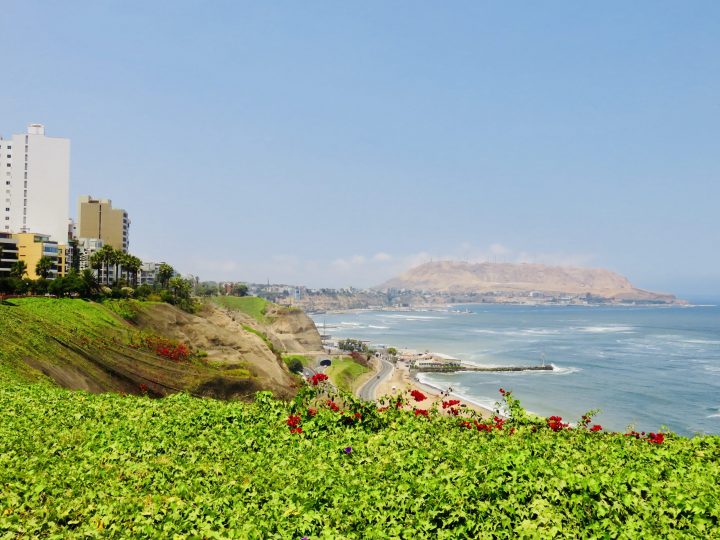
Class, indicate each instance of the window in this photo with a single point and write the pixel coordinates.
(7, 182)
(9, 156)
(7, 209)
(9, 147)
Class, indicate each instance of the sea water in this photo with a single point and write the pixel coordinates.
(643, 367)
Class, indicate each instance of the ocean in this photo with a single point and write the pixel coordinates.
(644, 367)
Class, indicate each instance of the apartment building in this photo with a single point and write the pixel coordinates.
(35, 184)
(97, 219)
(32, 247)
(8, 253)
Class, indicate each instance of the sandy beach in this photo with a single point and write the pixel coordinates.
(401, 380)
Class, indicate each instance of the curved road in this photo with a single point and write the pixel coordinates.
(367, 390)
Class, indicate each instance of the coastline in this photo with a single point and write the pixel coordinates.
(402, 380)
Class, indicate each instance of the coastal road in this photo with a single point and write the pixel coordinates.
(367, 390)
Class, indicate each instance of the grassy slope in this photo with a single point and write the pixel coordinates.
(250, 305)
(84, 345)
(344, 372)
(80, 465)
(27, 325)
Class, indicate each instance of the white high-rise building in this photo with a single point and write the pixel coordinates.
(35, 184)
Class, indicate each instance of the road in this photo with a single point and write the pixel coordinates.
(367, 390)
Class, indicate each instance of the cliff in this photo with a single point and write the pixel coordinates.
(96, 347)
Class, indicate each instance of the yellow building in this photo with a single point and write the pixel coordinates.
(32, 247)
(98, 219)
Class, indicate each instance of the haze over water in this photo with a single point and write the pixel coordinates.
(642, 366)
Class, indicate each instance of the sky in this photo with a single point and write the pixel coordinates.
(337, 144)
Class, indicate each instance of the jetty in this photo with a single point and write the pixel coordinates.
(446, 367)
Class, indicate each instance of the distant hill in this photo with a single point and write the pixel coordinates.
(456, 277)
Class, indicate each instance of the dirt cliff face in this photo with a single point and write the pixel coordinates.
(295, 330)
(228, 345)
(86, 346)
(461, 277)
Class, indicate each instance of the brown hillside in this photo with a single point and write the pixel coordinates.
(461, 277)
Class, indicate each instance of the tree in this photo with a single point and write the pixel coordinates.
(132, 266)
(295, 365)
(164, 273)
(90, 285)
(102, 259)
(44, 266)
(239, 289)
(18, 269)
(392, 351)
(352, 345)
(180, 290)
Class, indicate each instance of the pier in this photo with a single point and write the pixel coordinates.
(456, 367)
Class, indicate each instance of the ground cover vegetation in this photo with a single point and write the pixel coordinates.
(254, 306)
(327, 465)
(345, 372)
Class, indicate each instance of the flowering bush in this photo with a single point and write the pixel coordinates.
(317, 379)
(418, 395)
(172, 350)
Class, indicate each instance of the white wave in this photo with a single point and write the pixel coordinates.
(564, 370)
(713, 415)
(378, 327)
(702, 341)
(713, 369)
(606, 329)
(416, 317)
(344, 323)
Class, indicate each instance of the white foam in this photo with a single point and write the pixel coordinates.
(564, 370)
(606, 329)
(702, 341)
(416, 317)
(378, 327)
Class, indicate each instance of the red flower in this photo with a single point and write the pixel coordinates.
(596, 427)
(420, 412)
(466, 424)
(450, 403)
(293, 421)
(296, 430)
(317, 378)
(418, 395)
(657, 438)
(502, 391)
(555, 423)
(312, 411)
(333, 406)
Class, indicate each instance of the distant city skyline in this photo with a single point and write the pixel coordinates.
(333, 145)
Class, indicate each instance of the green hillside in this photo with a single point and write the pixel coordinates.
(90, 346)
(250, 305)
(75, 465)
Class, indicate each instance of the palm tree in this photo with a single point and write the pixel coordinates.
(164, 273)
(106, 255)
(18, 269)
(44, 266)
(96, 262)
(132, 266)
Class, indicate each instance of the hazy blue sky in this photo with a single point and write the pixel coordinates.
(336, 143)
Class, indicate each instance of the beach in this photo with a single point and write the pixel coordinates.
(401, 380)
